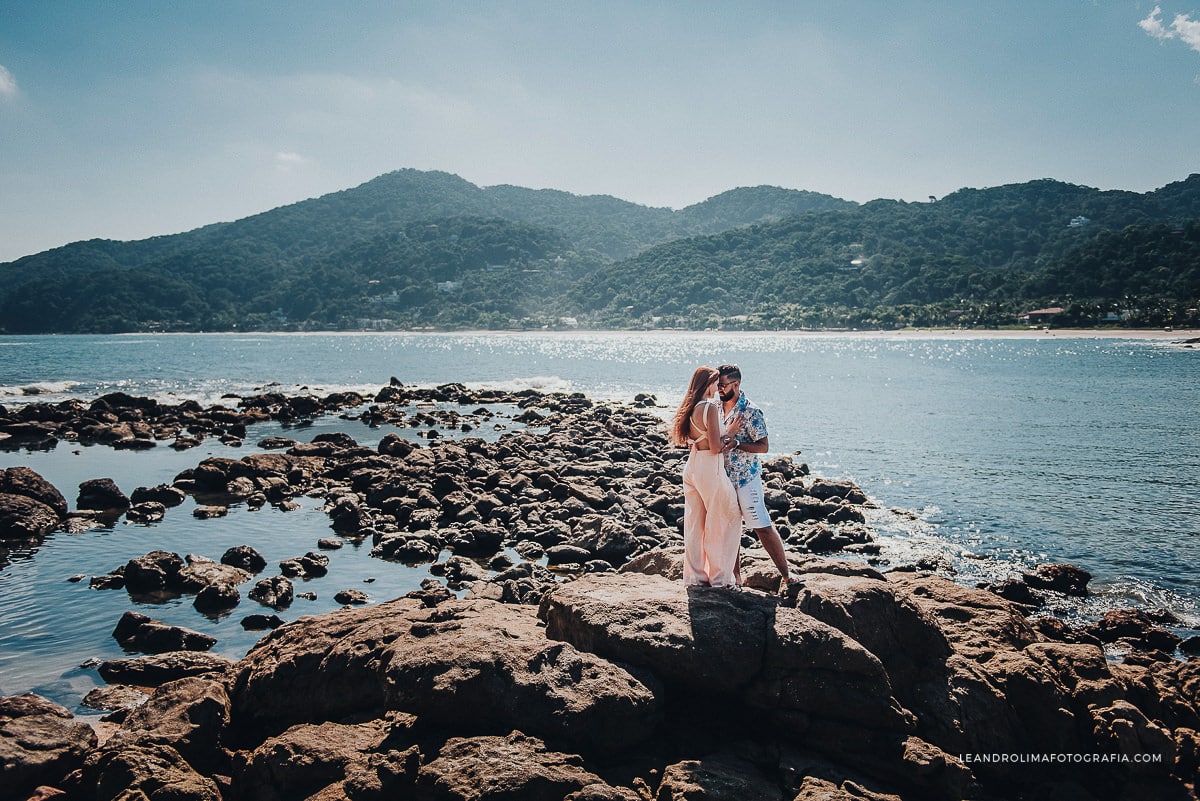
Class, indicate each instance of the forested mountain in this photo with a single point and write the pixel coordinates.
(415, 248)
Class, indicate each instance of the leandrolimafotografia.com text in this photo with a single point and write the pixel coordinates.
(1077, 759)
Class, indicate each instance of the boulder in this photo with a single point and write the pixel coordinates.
(101, 494)
(310, 757)
(187, 714)
(1135, 627)
(137, 632)
(202, 572)
(157, 669)
(793, 669)
(512, 766)
(275, 592)
(245, 558)
(146, 512)
(1067, 579)
(143, 772)
(22, 517)
(157, 570)
(721, 776)
(472, 667)
(24, 481)
(40, 743)
(165, 494)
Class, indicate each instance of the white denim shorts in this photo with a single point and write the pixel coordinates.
(753, 503)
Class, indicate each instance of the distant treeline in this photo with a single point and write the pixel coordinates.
(417, 249)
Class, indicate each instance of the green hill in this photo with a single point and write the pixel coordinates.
(415, 249)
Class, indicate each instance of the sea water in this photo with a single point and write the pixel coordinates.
(988, 453)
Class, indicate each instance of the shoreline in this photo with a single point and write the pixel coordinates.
(1179, 336)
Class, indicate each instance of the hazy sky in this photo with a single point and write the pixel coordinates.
(124, 120)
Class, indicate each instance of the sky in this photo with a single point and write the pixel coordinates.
(137, 118)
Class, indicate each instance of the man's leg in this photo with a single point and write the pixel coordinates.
(754, 513)
(772, 543)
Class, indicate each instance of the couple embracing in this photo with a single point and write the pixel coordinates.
(722, 480)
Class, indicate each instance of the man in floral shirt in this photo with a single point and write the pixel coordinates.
(746, 438)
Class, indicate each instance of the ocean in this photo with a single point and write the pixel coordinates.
(991, 453)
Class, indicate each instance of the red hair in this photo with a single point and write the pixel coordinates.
(702, 378)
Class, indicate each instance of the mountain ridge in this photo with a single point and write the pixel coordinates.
(414, 248)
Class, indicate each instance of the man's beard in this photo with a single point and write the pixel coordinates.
(728, 395)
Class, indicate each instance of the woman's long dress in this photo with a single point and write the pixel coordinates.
(712, 522)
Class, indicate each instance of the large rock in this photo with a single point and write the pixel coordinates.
(138, 632)
(101, 494)
(473, 667)
(188, 714)
(722, 777)
(40, 743)
(510, 767)
(22, 517)
(793, 668)
(155, 571)
(156, 669)
(307, 758)
(149, 772)
(24, 481)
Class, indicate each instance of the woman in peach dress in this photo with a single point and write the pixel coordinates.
(712, 524)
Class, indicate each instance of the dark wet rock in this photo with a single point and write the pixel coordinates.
(201, 572)
(102, 494)
(719, 776)
(22, 517)
(394, 445)
(275, 592)
(218, 597)
(330, 544)
(110, 581)
(276, 443)
(261, 622)
(1136, 628)
(146, 512)
(209, 512)
(311, 565)
(351, 597)
(157, 669)
(118, 699)
(604, 538)
(825, 489)
(164, 494)
(1067, 579)
(40, 743)
(23, 481)
(245, 558)
(1018, 592)
(567, 554)
(407, 548)
(157, 570)
(138, 632)
(1190, 645)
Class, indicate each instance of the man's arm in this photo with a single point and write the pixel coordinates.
(758, 446)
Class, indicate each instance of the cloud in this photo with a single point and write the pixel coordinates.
(8, 84)
(286, 162)
(1188, 30)
(1183, 28)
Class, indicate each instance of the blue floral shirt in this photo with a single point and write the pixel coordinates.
(744, 467)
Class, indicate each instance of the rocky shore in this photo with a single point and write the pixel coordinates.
(582, 668)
